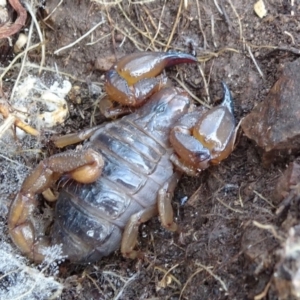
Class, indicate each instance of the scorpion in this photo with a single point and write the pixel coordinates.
(127, 170)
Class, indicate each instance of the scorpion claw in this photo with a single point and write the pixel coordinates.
(201, 139)
(133, 78)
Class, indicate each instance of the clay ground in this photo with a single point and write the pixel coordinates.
(222, 253)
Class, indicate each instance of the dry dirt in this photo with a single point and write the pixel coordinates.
(222, 254)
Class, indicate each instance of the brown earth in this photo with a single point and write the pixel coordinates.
(223, 253)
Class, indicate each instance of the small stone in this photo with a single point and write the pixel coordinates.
(104, 63)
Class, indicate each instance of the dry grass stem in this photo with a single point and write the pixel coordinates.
(52, 70)
(54, 10)
(291, 36)
(166, 273)
(16, 58)
(255, 62)
(207, 269)
(218, 7)
(188, 281)
(200, 26)
(23, 62)
(131, 23)
(190, 93)
(174, 26)
(81, 38)
(104, 2)
(8, 122)
(93, 281)
(100, 39)
(264, 293)
(269, 228)
(229, 207)
(137, 44)
(43, 47)
(205, 83)
(212, 23)
(141, 1)
(240, 198)
(158, 27)
(14, 161)
(264, 198)
(163, 280)
(128, 282)
(239, 19)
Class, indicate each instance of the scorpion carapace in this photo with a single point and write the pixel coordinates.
(125, 174)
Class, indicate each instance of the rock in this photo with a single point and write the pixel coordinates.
(287, 181)
(274, 123)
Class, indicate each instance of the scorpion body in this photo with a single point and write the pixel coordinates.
(90, 219)
(127, 171)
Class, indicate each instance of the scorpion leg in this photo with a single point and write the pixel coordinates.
(4, 111)
(74, 138)
(165, 209)
(130, 234)
(83, 166)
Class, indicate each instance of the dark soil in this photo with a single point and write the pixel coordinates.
(221, 253)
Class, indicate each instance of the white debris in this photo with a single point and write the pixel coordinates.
(41, 105)
(260, 8)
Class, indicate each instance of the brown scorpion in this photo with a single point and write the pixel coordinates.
(127, 171)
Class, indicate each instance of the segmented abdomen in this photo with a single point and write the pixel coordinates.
(90, 218)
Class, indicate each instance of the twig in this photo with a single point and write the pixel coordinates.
(80, 39)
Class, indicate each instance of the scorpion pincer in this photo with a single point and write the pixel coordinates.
(127, 171)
